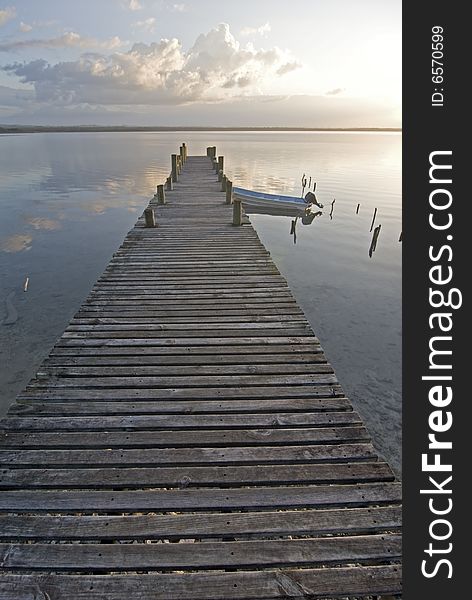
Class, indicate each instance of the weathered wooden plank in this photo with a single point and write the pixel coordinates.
(312, 421)
(202, 525)
(33, 406)
(186, 360)
(241, 585)
(176, 349)
(165, 381)
(166, 341)
(200, 498)
(125, 370)
(182, 438)
(191, 456)
(183, 477)
(125, 317)
(246, 554)
(175, 393)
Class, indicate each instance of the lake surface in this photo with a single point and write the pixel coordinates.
(68, 199)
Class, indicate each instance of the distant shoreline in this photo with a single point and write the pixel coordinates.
(8, 129)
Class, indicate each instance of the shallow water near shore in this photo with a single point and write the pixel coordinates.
(68, 199)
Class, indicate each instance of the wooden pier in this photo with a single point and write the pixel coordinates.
(186, 438)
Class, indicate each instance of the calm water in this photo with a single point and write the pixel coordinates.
(67, 200)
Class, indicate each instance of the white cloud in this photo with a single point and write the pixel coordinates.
(7, 14)
(134, 5)
(25, 27)
(147, 24)
(262, 30)
(67, 40)
(217, 67)
(179, 7)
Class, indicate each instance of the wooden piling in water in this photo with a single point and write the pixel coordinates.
(169, 185)
(174, 168)
(221, 162)
(373, 220)
(229, 192)
(149, 217)
(237, 213)
(161, 195)
(223, 183)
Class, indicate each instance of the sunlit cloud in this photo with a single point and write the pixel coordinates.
(67, 40)
(7, 14)
(216, 67)
(25, 27)
(134, 5)
(262, 30)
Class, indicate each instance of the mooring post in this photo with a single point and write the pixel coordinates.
(209, 151)
(237, 213)
(169, 185)
(174, 167)
(213, 151)
(161, 195)
(223, 183)
(220, 175)
(181, 150)
(215, 165)
(184, 147)
(221, 161)
(149, 217)
(229, 191)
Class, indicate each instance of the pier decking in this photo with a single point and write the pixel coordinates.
(186, 437)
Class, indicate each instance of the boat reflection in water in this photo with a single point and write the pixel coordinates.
(300, 209)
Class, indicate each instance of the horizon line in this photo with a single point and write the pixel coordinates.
(4, 128)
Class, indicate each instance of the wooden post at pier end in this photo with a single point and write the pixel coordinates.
(229, 192)
(220, 175)
(169, 185)
(237, 213)
(161, 195)
(221, 161)
(149, 217)
(223, 183)
(184, 148)
(174, 168)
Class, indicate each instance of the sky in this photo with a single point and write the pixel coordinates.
(297, 63)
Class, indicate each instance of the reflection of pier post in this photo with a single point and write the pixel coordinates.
(332, 208)
(373, 243)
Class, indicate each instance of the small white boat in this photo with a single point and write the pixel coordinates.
(264, 201)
